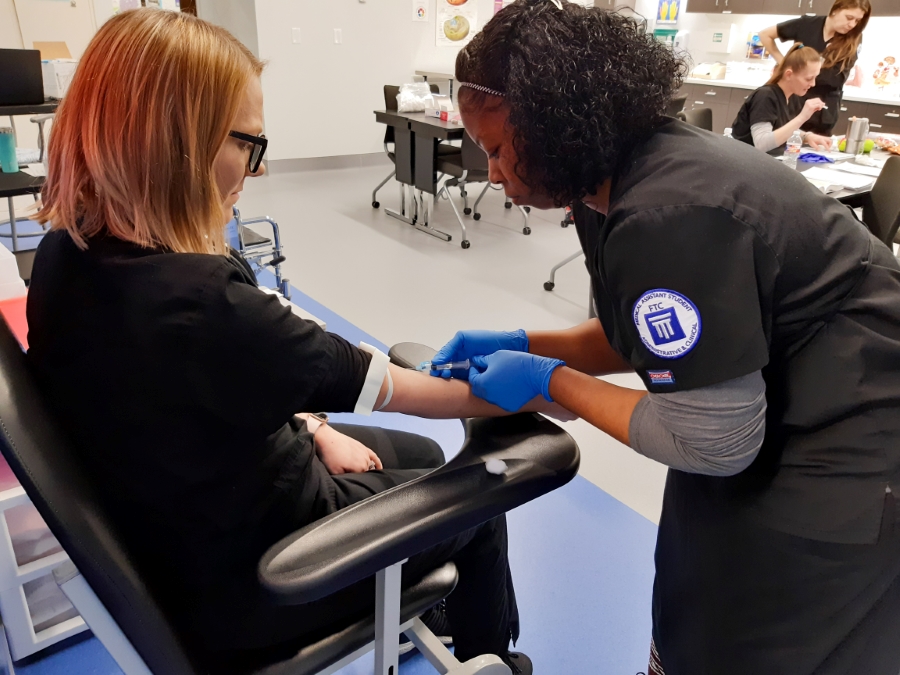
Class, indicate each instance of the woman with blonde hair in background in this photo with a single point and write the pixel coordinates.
(189, 392)
(765, 120)
(837, 37)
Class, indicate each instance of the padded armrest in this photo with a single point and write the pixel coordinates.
(358, 541)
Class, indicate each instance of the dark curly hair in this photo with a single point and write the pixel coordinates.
(582, 86)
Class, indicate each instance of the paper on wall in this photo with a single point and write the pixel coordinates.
(456, 22)
(420, 11)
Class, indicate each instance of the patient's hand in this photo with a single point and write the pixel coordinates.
(342, 454)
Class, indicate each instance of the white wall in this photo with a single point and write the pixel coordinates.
(52, 20)
(237, 16)
(10, 37)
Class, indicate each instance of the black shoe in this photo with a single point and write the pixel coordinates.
(518, 663)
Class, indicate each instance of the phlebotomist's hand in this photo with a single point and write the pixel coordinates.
(511, 379)
(342, 454)
(468, 343)
(817, 142)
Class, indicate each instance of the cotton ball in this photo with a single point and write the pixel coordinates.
(496, 466)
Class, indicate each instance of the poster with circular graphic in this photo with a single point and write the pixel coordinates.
(456, 22)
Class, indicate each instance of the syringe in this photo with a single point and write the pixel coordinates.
(425, 366)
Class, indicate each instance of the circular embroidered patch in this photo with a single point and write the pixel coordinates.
(668, 323)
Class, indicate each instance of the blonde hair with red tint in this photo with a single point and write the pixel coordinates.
(133, 145)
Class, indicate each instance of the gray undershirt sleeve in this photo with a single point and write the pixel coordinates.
(716, 430)
(763, 136)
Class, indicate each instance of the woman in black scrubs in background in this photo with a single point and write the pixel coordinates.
(763, 319)
(837, 37)
(765, 120)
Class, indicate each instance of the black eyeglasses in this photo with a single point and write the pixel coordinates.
(259, 148)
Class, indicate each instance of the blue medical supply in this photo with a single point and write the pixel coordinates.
(468, 343)
(511, 379)
(444, 367)
(8, 163)
(815, 158)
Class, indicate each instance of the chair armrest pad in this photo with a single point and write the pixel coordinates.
(358, 541)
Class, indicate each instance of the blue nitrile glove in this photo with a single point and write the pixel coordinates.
(815, 158)
(468, 343)
(511, 379)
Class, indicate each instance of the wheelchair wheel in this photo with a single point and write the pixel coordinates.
(465, 243)
(477, 216)
(549, 285)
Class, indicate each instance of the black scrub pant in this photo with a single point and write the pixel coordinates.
(734, 598)
(481, 610)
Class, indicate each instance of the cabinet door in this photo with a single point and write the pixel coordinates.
(884, 119)
(705, 6)
(735, 103)
(615, 4)
(849, 109)
(882, 7)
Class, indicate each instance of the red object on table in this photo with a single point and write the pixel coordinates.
(13, 310)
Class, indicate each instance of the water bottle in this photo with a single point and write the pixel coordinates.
(8, 163)
(792, 152)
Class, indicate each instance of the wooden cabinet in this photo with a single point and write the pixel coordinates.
(735, 103)
(713, 97)
(849, 109)
(725, 6)
(615, 4)
(883, 119)
(882, 8)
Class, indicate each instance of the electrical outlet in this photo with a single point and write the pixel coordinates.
(338, 36)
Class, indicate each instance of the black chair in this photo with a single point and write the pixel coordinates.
(105, 584)
(390, 104)
(881, 208)
(16, 185)
(676, 105)
(469, 166)
(699, 117)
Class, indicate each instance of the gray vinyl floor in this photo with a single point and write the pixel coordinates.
(399, 284)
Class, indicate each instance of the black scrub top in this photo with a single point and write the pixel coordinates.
(714, 262)
(829, 86)
(766, 104)
(178, 380)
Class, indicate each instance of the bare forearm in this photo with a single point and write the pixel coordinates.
(584, 348)
(767, 39)
(436, 398)
(782, 134)
(606, 406)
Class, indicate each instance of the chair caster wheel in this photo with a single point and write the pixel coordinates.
(564, 224)
(465, 243)
(375, 205)
(527, 209)
(507, 205)
(549, 285)
(463, 193)
(526, 230)
(467, 211)
(477, 216)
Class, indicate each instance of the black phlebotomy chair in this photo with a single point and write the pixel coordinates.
(881, 207)
(371, 538)
(701, 118)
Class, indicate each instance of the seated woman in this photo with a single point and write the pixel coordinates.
(767, 119)
(180, 380)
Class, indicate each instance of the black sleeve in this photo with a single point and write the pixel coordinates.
(690, 283)
(258, 363)
(791, 30)
(764, 107)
